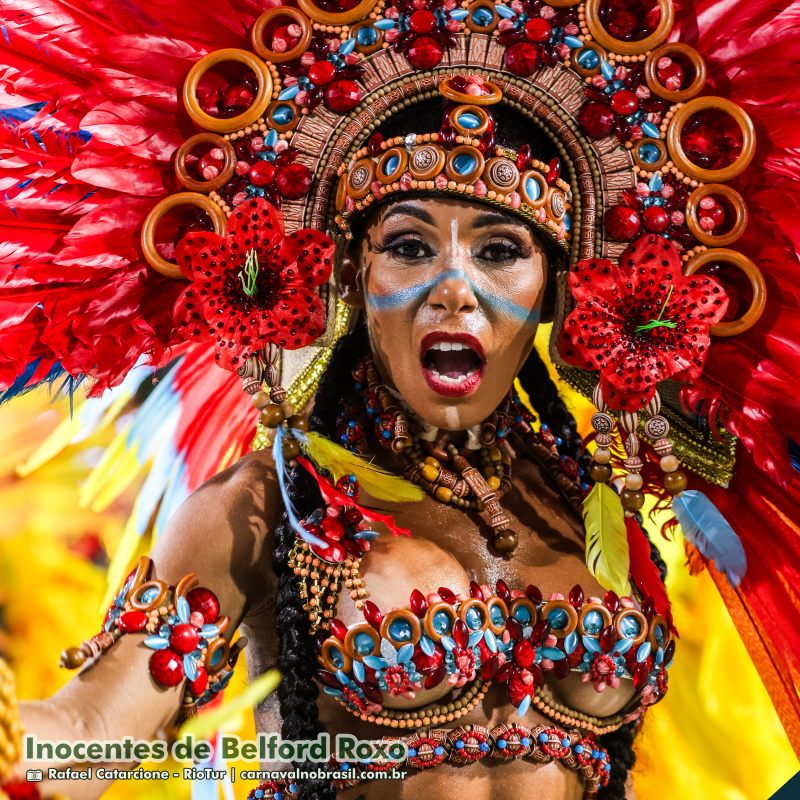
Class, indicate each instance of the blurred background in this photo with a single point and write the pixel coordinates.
(715, 735)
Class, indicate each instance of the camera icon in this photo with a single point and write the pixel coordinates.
(34, 775)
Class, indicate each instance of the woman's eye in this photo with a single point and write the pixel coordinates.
(500, 252)
(410, 249)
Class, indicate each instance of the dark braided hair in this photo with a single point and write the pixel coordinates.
(298, 692)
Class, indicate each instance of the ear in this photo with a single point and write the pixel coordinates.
(351, 290)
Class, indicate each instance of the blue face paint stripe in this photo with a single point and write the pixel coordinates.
(403, 298)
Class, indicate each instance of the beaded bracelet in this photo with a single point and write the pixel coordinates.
(10, 725)
(183, 629)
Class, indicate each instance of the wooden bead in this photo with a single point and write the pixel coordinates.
(271, 416)
(494, 483)
(298, 421)
(675, 482)
(287, 408)
(633, 481)
(602, 455)
(631, 500)
(670, 463)
(444, 494)
(600, 473)
(260, 400)
(430, 473)
(73, 657)
(505, 541)
(290, 449)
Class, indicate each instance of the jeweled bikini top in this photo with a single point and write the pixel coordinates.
(498, 635)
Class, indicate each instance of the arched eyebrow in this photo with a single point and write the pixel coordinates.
(487, 218)
(409, 210)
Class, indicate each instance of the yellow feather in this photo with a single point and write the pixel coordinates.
(229, 715)
(381, 484)
(607, 554)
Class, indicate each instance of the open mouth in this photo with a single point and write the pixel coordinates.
(452, 363)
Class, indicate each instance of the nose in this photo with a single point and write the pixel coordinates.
(454, 294)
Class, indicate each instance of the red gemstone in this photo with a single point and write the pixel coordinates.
(611, 601)
(428, 665)
(670, 74)
(505, 672)
(519, 688)
(514, 629)
(425, 53)
(624, 102)
(648, 607)
(669, 651)
(204, 601)
(522, 59)
(576, 596)
(622, 223)
(524, 653)
(523, 157)
(422, 21)
(538, 675)
(541, 630)
(597, 119)
(329, 679)
(334, 553)
(338, 629)
(342, 96)
(436, 677)
(607, 638)
(561, 668)
(640, 676)
(475, 590)
(503, 591)
(533, 593)
(353, 516)
(374, 144)
(184, 638)
(334, 529)
(460, 633)
(294, 181)
(553, 171)
(372, 693)
(262, 173)
(419, 605)
(656, 219)
(447, 595)
(166, 668)
(321, 73)
(239, 96)
(537, 30)
(489, 668)
(372, 615)
(199, 684)
(132, 621)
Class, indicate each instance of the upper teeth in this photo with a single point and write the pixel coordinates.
(450, 346)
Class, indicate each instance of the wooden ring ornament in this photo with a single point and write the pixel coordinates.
(393, 152)
(604, 613)
(480, 608)
(143, 569)
(470, 177)
(563, 3)
(524, 602)
(214, 662)
(477, 111)
(225, 174)
(355, 14)
(327, 659)
(431, 153)
(186, 584)
(135, 597)
(587, 72)
(679, 157)
(601, 35)
(495, 94)
(359, 184)
(432, 611)
(496, 628)
(283, 127)
(341, 192)
(159, 211)
(572, 617)
(477, 6)
(639, 617)
(676, 95)
(693, 217)
(260, 26)
(405, 616)
(358, 630)
(658, 622)
(539, 201)
(367, 50)
(759, 286)
(248, 117)
(649, 166)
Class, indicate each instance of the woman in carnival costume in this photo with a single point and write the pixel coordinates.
(363, 210)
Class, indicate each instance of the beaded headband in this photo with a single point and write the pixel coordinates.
(461, 159)
(293, 121)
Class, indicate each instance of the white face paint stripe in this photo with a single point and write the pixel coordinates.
(454, 235)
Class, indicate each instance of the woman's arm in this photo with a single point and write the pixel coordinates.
(221, 533)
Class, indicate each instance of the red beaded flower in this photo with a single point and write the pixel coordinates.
(640, 322)
(253, 286)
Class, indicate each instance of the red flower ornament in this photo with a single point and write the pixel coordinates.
(253, 286)
(640, 322)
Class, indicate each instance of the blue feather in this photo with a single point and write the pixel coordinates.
(794, 454)
(280, 467)
(22, 384)
(704, 526)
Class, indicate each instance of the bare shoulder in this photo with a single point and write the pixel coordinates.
(223, 533)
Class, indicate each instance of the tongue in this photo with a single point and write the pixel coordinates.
(452, 363)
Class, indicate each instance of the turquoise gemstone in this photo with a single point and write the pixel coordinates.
(367, 36)
(363, 643)
(629, 627)
(391, 165)
(336, 658)
(400, 630)
(482, 17)
(589, 59)
(465, 163)
(659, 635)
(533, 189)
(593, 622)
(473, 619)
(283, 115)
(522, 614)
(558, 619)
(441, 622)
(496, 615)
(649, 153)
(468, 120)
